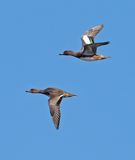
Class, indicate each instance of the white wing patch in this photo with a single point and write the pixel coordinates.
(86, 39)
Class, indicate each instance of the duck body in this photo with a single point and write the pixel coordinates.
(89, 47)
(88, 53)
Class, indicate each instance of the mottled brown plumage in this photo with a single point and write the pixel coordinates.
(54, 101)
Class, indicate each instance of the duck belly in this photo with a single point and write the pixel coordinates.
(88, 59)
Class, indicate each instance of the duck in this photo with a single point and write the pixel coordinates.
(55, 97)
(88, 51)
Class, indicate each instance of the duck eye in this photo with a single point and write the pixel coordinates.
(47, 93)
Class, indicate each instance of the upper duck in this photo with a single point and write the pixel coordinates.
(54, 101)
(89, 47)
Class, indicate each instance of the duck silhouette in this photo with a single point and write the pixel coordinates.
(56, 95)
(89, 47)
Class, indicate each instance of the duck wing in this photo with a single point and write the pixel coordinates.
(54, 104)
(88, 36)
(89, 50)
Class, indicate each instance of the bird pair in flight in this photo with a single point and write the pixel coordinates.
(87, 53)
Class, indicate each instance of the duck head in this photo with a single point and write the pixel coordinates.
(68, 53)
(71, 53)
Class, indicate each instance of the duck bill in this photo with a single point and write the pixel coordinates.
(28, 91)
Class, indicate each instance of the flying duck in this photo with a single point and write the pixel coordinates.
(89, 47)
(56, 95)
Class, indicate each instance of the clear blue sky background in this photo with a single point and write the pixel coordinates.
(99, 124)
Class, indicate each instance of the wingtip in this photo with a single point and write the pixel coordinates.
(100, 25)
(56, 126)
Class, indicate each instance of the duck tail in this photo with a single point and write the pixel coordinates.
(66, 94)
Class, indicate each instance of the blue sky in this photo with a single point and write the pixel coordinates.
(98, 124)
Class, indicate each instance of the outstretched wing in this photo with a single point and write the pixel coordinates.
(54, 104)
(88, 36)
